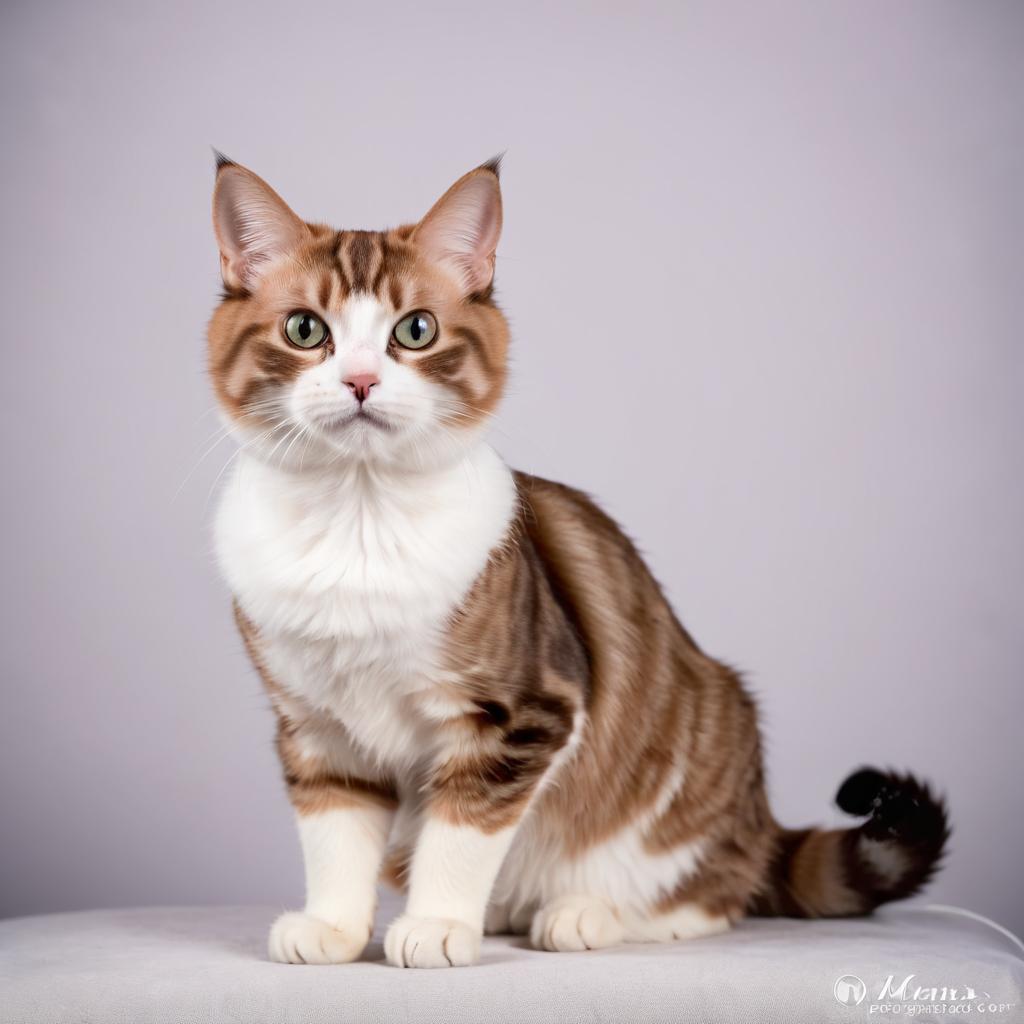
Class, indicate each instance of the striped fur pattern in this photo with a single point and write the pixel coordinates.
(482, 694)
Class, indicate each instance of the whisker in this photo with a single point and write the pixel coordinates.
(302, 430)
(234, 455)
(219, 436)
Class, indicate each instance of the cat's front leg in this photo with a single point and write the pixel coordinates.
(453, 869)
(477, 797)
(344, 817)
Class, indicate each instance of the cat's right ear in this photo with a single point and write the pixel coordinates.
(253, 224)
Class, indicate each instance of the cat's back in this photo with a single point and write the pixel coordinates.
(591, 560)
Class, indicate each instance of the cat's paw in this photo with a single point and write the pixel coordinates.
(297, 938)
(574, 923)
(431, 942)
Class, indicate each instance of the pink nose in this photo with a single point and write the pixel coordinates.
(360, 383)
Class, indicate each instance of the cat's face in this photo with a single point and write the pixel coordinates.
(333, 347)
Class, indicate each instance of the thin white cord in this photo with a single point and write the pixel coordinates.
(944, 908)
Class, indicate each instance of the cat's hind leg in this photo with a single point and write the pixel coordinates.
(685, 921)
(573, 923)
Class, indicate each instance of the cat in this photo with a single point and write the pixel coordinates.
(481, 693)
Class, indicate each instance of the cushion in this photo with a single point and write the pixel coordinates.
(208, 964)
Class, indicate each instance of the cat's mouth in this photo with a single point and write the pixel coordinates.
(374, 418)
(363, 416)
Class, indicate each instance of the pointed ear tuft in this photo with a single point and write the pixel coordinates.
(494, 164)
(221, 160)
(462, 229)
(253, 224)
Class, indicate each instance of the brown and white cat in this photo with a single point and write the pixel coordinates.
(481, 692)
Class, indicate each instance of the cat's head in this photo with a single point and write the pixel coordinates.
(334, 347)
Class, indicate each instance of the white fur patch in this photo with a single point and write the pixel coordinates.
(619, 871)
(453, 870)
(350, 579)
(342, 850)
(887, 859)
(452, 873)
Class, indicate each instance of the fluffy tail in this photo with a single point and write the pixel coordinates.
(844, 872)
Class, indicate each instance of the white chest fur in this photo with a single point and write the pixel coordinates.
(351, 579)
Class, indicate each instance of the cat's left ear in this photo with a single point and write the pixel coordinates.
(462, 229)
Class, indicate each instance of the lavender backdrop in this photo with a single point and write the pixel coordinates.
(763, 265)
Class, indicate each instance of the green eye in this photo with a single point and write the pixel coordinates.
(305, 330)
(417, 330)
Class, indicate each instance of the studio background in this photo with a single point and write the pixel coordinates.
(763, 268)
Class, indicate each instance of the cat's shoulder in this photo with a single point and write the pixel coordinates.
(548, 503)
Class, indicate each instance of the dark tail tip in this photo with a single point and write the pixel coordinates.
(899, 807)
(857, 795)
(904, 817)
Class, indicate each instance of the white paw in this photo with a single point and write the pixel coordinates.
(574, 923)
(431, 942)
(297, 938)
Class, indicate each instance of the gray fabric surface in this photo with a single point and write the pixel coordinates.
(182, 965)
